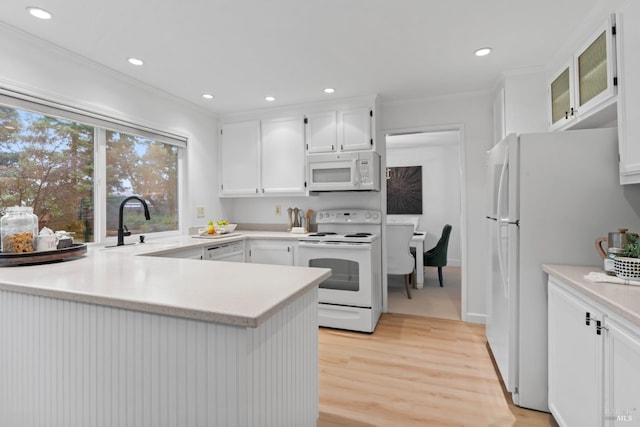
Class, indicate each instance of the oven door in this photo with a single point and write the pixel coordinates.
(352, 273)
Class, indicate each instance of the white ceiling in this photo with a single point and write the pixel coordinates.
(242, 50)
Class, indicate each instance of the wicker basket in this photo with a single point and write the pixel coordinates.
(627, 268)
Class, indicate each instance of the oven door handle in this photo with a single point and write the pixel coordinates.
(333, 245)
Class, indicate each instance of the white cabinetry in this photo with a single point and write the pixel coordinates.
(278, 252)
(519, 104)
(263, 157)
(582, 93)
(283, 156)
(240, 158)
(594, 362)
(575, 360)
(622, 375)
(628, 30)
(344, 130)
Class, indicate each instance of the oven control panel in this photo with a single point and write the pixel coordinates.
(348, 216)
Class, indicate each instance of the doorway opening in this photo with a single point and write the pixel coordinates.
(436, 157)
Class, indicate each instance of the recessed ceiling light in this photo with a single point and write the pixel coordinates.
(207, 96)
(135, 61)
(38, 12)
(482, 51)
(269, 98)
(329, 90)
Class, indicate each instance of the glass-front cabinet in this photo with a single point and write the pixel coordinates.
(588, 83)
(561, 96)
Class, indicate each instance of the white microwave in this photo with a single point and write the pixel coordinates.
(351, 171)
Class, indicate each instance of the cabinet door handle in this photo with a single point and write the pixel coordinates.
(573, 112)
(566, 115)
(587, 318)
(599, 327)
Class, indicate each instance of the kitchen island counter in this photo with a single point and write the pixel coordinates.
(129, 277)
(123, 336)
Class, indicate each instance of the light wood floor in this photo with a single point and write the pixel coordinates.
(414, 371)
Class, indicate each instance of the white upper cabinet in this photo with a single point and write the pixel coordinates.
(240, 158)
(587, 84)
(263, 157)
(354, 129)
(628, 29)
(344, 130)
(283, 156)
(321, 132)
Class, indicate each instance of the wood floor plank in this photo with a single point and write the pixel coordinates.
(414, 371)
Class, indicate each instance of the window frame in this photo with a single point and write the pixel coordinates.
(101, 124)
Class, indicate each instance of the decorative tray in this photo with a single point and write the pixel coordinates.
(28, 258)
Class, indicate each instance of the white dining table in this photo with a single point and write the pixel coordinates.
(417, 241)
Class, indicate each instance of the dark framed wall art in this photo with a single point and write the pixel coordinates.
(404, 190)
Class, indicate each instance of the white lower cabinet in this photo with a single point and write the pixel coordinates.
(621, 375)
(575, 360)
(278, 252)
(594, 362)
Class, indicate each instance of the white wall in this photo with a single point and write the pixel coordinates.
(37, 68)
(441, 197)
(472, 112)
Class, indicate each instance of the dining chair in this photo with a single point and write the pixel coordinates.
(399, 258)
(437, 256)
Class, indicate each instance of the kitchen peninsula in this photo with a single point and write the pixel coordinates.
(121, 338)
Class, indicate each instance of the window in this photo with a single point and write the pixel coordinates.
(49, 163)
(137, 166)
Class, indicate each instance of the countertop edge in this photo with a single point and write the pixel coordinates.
(243, 318)
(612, 296)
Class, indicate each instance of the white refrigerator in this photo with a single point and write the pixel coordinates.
(550, 196)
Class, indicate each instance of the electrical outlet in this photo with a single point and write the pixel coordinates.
(200, 211)
(278, 210)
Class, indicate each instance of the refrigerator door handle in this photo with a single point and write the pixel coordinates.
(501, 263)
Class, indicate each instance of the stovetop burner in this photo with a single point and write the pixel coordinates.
(322, 233)
(358, 235)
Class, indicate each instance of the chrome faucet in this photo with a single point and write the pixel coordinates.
(121, 226)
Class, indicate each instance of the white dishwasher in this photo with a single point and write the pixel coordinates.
(233, 252)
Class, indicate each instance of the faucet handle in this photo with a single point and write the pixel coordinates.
(126, 231)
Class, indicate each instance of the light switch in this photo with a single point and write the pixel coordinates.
(199, 211)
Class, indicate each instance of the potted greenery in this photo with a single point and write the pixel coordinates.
(627, 264)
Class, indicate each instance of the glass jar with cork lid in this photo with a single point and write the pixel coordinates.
(18, 230)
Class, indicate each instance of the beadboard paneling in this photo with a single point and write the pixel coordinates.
(69, 364)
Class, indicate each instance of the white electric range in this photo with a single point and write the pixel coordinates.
(348, 242)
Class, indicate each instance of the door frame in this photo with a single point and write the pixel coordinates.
(455, 127)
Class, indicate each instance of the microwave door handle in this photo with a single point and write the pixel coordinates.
(355, 176)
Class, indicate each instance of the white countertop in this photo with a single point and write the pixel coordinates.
(241, 294)
(623, 300)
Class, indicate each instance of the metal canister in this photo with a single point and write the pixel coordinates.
(609, 260)
(618, 239)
